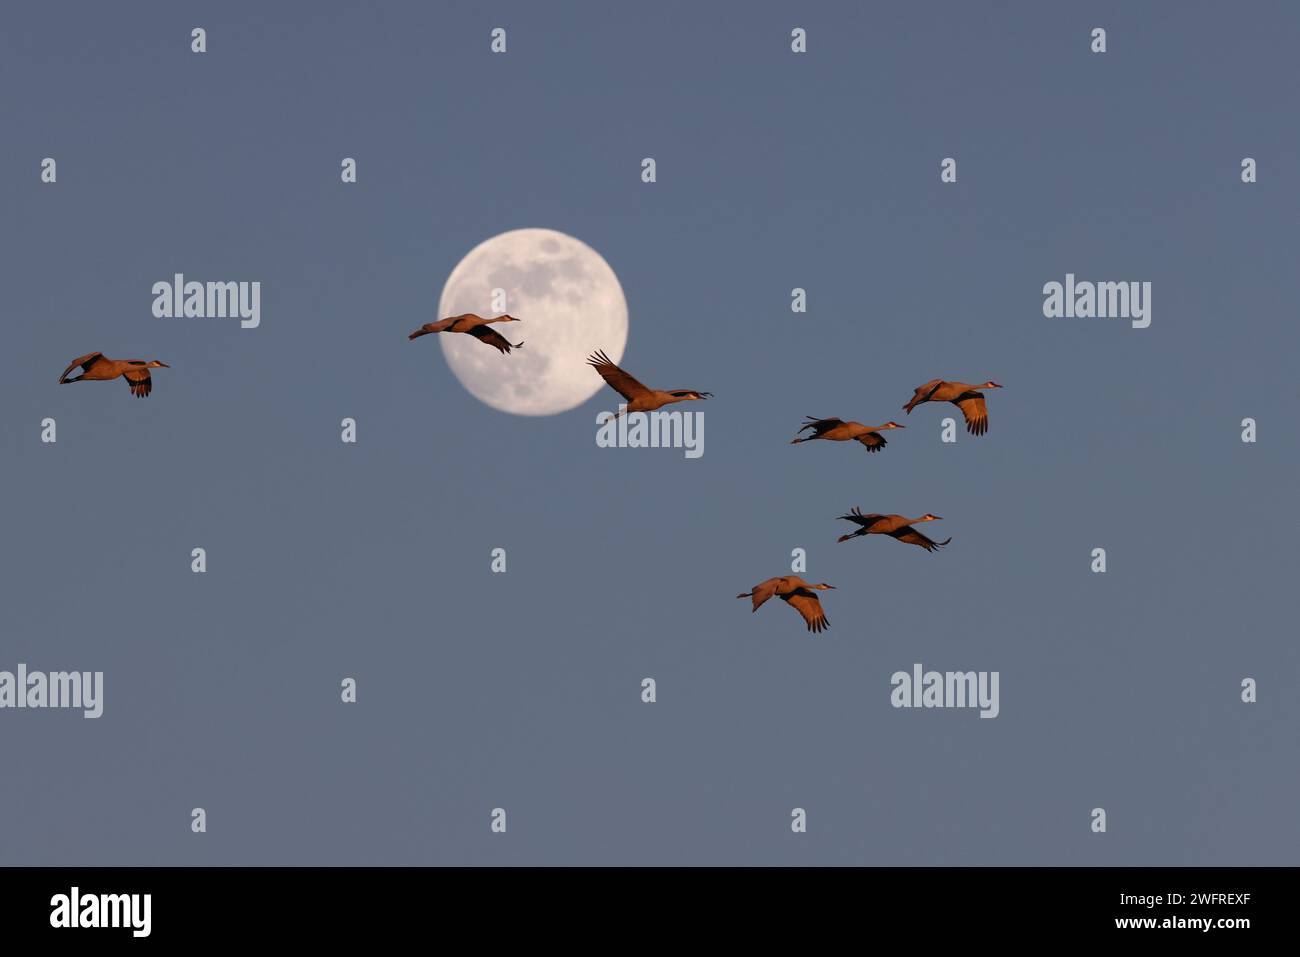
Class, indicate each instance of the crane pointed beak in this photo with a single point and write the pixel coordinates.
(163, 365)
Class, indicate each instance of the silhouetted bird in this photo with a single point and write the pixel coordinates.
(837, 430)
(98, 368)
(963, 395)
(472, 325)
(798, 594)
(896, 526)
(639, 398)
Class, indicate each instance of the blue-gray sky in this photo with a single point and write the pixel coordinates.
(521, 690)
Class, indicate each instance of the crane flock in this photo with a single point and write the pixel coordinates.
(793, 590)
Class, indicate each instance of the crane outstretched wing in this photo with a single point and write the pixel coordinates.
(922, 394)
(618, 380)
(86, 361)
(494, 339)
(140, 381)
(807, 604)
(819, 426)
(976, 412)
(910, 535)
(442, 325)
(857, 517)
(762, 592)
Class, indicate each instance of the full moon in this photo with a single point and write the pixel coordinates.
(569, 303)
